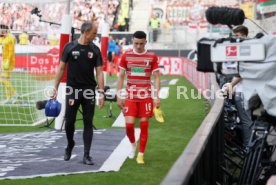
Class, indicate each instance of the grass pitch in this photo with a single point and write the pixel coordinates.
(165, 144)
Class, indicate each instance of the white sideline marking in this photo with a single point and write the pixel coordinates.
(120, 121)
(119, 155)
(164, 92)
(173, 81)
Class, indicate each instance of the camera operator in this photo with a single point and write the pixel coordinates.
(245, 116)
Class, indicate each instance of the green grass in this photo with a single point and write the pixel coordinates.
(166, 142)
(24, 84)
(29, 88)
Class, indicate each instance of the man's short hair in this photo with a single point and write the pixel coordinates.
(140, 35)
(86, 26)
(241, 29)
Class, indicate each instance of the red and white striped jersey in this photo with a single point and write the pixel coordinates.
(139, 68)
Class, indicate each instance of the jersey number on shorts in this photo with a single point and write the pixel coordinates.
(148, 106)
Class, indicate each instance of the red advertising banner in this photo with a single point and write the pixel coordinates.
(38, 64)
(180, 66)
(173, 66)
(263, 1)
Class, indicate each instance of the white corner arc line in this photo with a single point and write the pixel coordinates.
(164, 92)
(120, 121)
(173, 81)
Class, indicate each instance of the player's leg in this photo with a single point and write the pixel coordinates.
(144, 125)
(9, 90)
(145, 112)
(88, 109)
(130, 112)
(5, 80)
(72, 106)
(130, 132)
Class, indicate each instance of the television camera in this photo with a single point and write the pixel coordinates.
(256, 65)
(256, 57)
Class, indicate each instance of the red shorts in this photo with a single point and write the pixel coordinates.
(138, 109)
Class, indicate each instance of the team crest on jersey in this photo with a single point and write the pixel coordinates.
(147, 62)
(90, 55)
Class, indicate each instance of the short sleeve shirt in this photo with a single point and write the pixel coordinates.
(139, 68)
(81, 60)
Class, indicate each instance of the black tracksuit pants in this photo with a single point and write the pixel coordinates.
(74, 99)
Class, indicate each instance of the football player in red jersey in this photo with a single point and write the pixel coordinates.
(139, 65)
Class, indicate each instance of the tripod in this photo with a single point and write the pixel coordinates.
(109, 97)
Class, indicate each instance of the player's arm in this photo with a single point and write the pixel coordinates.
(156, 99)
(99, 74)
(119, 87)
(100, 80)
(121, 77)
(61, 68)
(60, 72)
(156, 84)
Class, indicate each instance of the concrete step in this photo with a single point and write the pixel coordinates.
(140, 15)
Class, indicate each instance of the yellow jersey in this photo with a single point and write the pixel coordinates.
(53, 40)
(23, 39)
(125, 8)
(154, 23)
(1, 40)
(8, 54)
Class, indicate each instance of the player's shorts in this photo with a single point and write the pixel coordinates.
(138, 109)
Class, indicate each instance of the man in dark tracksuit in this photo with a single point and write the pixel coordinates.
(82, 57)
